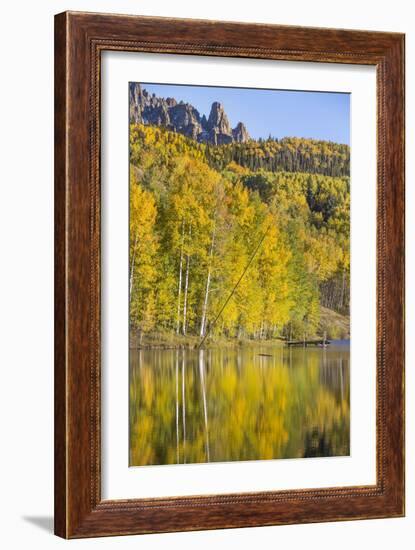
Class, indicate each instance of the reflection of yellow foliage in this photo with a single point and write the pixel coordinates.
(255, 408)
(147, 388)
(327, 410)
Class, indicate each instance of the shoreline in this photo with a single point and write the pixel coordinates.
(192, 343)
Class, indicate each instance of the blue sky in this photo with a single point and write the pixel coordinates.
(281, 113)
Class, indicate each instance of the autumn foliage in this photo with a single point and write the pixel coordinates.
(199, 215)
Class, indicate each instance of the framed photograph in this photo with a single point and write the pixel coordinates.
(229, 275)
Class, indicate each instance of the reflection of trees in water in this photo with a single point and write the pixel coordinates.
(316, 444)
(177, 409)
(334, 373)
(220, 405)
(205, 413)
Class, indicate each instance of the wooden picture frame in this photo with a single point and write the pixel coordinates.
(79, 40)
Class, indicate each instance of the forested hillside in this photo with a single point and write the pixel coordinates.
(200, 214)
(225, 144)
(287, 154)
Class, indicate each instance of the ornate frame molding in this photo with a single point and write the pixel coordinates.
(79, 40)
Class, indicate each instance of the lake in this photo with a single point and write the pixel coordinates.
(246, 403)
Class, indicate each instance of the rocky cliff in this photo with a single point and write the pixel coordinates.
(182, 117)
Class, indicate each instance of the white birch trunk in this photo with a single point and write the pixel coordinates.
(186, 288)
(205, 301)
(133, 264)
(179, 290)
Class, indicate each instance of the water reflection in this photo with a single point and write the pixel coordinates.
(249, 403)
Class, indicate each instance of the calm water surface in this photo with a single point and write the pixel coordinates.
(248, 403)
